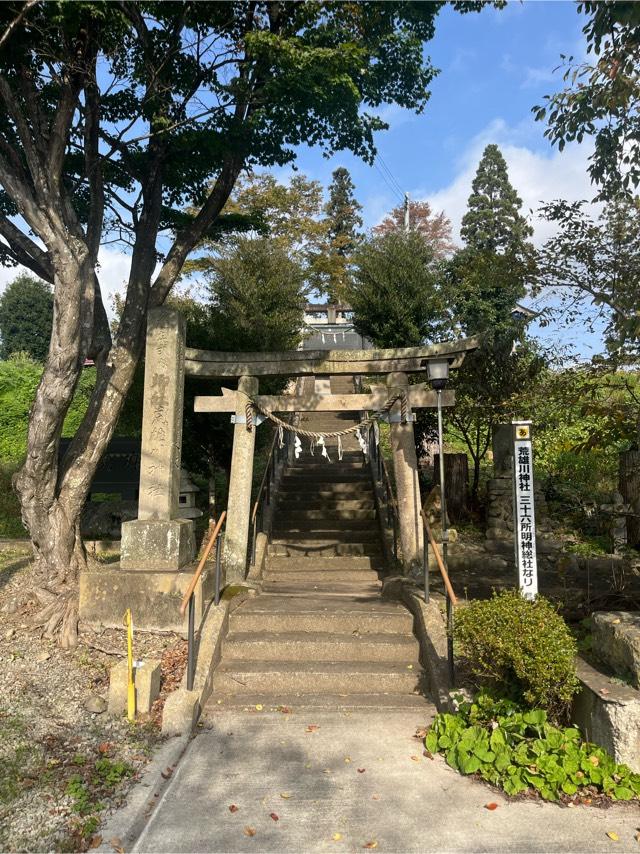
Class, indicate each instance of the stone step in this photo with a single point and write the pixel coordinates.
(285, 525)
(309, 539)
(326, 489)
(295, 703)
(333, 613)
(325, 513)
(323, 548)
(282, 677)
(345, 466)
(321, 576)
(322, 587)
(329, 501)
(308, 566)
(349, 563)
(305, 646)
(328, 476)
(324, 535)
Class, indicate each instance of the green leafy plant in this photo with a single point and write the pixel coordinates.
(81, 796)
(110, 773)
(519, 751)
(523, 648)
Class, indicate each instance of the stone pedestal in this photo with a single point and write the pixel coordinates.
(236, 537)
(405, 465)
(157, 545)
(107, 591)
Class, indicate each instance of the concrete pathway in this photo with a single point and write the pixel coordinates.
(346, 782)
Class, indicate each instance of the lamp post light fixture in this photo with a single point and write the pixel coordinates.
(438, 376)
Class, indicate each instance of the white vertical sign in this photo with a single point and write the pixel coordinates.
(524, 520)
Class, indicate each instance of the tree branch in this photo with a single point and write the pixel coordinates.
(25, 250)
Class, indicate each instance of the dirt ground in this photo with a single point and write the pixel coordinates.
(63, 760)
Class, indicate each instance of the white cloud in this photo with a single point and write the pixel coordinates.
(537, 176)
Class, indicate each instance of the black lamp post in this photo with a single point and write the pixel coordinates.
(438, 375)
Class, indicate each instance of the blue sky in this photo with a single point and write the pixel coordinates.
(494, 67)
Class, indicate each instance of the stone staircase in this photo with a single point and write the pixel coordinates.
(320, 635)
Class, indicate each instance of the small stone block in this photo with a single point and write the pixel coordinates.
(157, 545)
(146, 679)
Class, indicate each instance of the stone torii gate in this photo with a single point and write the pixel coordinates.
(158, 540)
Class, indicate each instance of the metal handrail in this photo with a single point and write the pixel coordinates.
(275, 456)
(382, 475)
(443, 570)
(187, 599)
(450, 597)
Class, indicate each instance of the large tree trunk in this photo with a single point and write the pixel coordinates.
(456, 480)
(52, 493)
(629, 487)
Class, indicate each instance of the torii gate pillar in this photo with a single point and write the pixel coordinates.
(405, 465)
(236, 538)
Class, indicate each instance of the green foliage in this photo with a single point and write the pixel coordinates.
(288, 214)
(342, 222)
(493, 222)
(591, 264)
(484, 282)
(519, 751)
(601, 98)
(110, 774)
(583, 418)
(19, 380)
(26, 315)
(395, 293)
(257, 295)
(523, 647)
(79, 792)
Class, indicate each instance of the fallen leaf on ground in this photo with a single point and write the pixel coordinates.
(166, 773)
(421, 733)
(604, 690)
(96, 840)
(115, 841)
(361, 770)
(428, 754)
(285, 795)
(105, 747)
(313, 728)
(337, 837)
(284, 709)
(233, 808)
(637, 837)
(259, 707)
(492, 806)
(409, 666)
(347, 759)
(613, 835)
(416, 758)
(249, 831)
(372, 844)
(375, 797)
(274, 816)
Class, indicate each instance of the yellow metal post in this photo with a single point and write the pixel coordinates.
(131, 689)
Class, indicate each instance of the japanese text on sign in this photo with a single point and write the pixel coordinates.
(524, 521)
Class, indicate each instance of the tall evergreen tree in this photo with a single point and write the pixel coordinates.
(343, 223)
(493, 222)
(26, 315)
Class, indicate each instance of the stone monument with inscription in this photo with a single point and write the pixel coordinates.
(159, 539)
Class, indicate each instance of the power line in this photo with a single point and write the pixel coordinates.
(399, 195)
(391, 175)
